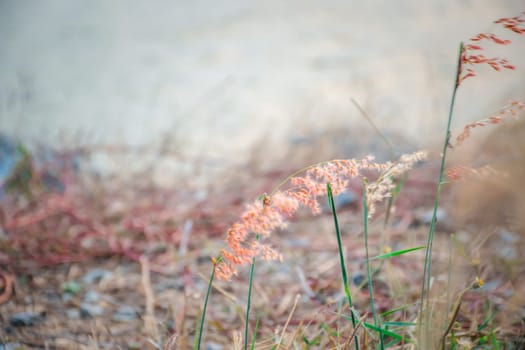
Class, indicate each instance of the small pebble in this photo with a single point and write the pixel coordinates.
(90, 310)
(95, 275)
(345, 199)
(73, 314)
(507, 252)
(342, 200)
(508, 237)
(66, 297)
(125, 314)
(26, 319)
(91, 297)
(425, 217)
(358, 279)
(214, 346)
(11, 346)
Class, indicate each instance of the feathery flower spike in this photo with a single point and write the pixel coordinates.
(511, 109)
(271, 212)
(471, 55)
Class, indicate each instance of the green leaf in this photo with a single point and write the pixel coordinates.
(400, 308)
(344, 274)
(314, 341)
(71, 287)
(494, 341)
(384, 331)
(397, 252)
(255, 332)
(400, 324)
(486, 322)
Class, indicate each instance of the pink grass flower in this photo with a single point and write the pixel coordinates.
(511, 109)
(462, 172)
(382, 188)
(471, 55)
(271, 212)
(515, 24)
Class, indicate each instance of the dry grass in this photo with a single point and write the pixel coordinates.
(310, 270)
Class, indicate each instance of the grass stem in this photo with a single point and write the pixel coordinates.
(368, 267)
(255, 333)
(342, 260)
(201, 327)
(425, 281)
(249, 302)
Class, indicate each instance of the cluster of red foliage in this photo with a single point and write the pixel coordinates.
(88, 218)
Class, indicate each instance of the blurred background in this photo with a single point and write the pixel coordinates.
(132, 133)
(175, 85)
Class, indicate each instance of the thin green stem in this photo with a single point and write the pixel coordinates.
(249, 302)
(399, 185)
(342, 260)
(425, 284)
(255, 333)
(449, 278)
(368, 267)
(201, 327)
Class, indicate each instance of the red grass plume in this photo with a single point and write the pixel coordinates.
(511, 109)
(472, 55)
(271, 212)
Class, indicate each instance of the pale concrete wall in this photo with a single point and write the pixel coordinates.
(212, 79)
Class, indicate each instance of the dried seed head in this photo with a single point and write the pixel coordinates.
(511, 109)
(270, 212)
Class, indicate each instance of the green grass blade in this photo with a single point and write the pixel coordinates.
(314, 341)
(449, 278)
(392, 311)
(397, 252)
(342, 259)
(494, 341)
(399, 185)
(196, 340)
(425, 283)
(368, 267)
(255, 332)
(400, 324)
(453, 341)
(249, 302)
(201, 327)
(383, 331)
(486, 322)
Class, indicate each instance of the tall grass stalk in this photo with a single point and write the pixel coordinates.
(255, 333)
(201, 327)
(368, 267)
(249, 302)
(425, 281)
(344, 275)
(449, 279)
